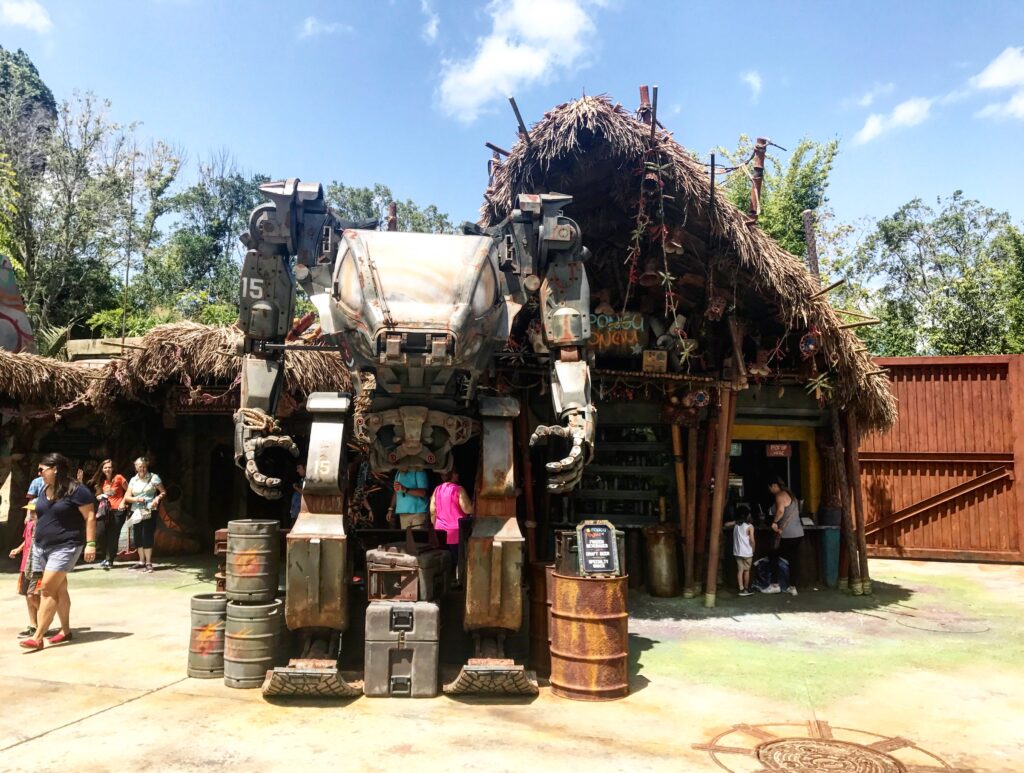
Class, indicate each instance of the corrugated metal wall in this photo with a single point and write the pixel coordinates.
(940, 483)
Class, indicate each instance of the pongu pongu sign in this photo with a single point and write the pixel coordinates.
(619, 335)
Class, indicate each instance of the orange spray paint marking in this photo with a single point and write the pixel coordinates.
(205, 639)
(248, 563)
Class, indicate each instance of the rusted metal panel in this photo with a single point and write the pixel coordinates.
(589, 639)
(932, 486)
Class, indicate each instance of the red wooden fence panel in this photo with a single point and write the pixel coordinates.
(940, 483)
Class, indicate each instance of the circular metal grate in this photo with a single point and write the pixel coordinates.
(825, 756)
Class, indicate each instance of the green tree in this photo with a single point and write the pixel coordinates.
(65, 233)
(786, 190)
(352, 203)
(942, 280)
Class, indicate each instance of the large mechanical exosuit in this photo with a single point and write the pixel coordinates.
(422, 313)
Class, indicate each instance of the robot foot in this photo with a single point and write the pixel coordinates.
(309, 678)
(493, 676)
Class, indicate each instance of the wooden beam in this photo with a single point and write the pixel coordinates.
(689, 591)
(684, 522)
(827, 290)
(943, 497)
(853, 471)
(849, 535)
(926, 457)
(721, 486)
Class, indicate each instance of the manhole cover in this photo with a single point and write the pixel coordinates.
(800, 754)
(817, 747)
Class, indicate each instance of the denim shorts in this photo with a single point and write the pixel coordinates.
(59, 558)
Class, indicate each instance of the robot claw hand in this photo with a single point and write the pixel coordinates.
(564, 475)
(256, 438)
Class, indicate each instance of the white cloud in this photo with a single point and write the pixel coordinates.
(429, 31)
(1004, 72)
(25, 13)
(312, 27)
(530, 40)
(1014, 108)
(868, 97)
(908, 113)
(753, 79)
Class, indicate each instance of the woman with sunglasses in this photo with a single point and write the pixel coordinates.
(65, 525)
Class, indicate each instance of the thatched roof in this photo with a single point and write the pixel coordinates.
(595, 151)
(30, 379)
(194, 355)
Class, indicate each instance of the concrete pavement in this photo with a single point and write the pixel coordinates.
(930, 670)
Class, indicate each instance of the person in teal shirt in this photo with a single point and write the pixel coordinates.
(411, 500)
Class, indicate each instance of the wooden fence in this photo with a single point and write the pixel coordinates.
(941, 483)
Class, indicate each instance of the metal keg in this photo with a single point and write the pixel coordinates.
(206, 643)
(589, 637)
(662, 560)
(251, 640)
(253, 560)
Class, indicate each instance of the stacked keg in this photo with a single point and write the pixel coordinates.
(254, 615)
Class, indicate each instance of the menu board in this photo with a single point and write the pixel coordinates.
(598, 550)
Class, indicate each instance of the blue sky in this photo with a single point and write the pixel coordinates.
(925, 97)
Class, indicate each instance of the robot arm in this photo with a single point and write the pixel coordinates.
(296, 223)
(565, 316)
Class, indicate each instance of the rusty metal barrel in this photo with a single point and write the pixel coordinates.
(253, 560)
(206, 643)
(251, 642)
(589, 637)
(540, 651)
(662, 560)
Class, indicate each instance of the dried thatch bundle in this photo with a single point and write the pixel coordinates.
(595, 151)
(194, 355)
(30, 379)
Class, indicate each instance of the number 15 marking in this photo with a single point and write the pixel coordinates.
(252, 287)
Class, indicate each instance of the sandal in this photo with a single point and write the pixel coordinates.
(59, 638)
(31, 644)
(27, 632)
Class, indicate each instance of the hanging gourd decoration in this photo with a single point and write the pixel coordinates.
(810, 344)
(699, 398)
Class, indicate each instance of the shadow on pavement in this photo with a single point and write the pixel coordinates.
(729, 604)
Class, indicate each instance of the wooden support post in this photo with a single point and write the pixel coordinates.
(721, 486)
(853, 472)
(689, 591)
(704, 495)
(677, 457)
(530, 511)
(849, 535)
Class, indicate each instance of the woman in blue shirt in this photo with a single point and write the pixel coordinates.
(65, 527)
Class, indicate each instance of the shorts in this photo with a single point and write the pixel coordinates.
(59, 558)
(143, 533)
(28, 584)
(414, 520)
(743, 563)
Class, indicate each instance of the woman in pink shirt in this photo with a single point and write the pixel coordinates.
(448, 503)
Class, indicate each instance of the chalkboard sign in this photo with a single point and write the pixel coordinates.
(598, 550)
